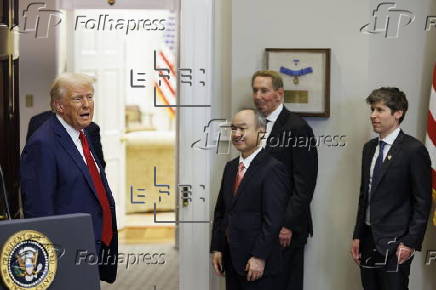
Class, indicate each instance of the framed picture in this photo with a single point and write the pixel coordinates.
(306, 78)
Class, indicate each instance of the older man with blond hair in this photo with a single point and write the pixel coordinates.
(302, 164)
(60, 173)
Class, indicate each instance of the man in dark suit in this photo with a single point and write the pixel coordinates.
(60, 173)
(394, 199)
(92, 131)
(4, 207)
(249, 210)
(289, 139)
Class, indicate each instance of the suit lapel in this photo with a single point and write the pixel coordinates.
(277, 129)
(390, 156)
(248, 176)
(230, 180)
(66, 142)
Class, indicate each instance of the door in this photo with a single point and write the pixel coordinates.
(9, 106)
(193, 113)
(101, 54)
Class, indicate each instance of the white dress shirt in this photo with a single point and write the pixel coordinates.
(248, 159)
(271, 119)
(74, 134)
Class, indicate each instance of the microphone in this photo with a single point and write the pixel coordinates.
(3, 189)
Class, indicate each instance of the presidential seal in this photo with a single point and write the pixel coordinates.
(28, 260)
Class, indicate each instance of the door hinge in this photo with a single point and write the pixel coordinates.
(185, 194)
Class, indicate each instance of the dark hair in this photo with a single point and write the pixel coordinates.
(277, 81)
(393, 98)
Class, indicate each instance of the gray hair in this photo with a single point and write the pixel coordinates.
(259, 119)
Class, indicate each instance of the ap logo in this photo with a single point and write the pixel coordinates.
(388, 20)
(38, 19)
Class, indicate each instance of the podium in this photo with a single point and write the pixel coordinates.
(55, 252)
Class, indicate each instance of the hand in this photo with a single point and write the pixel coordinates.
(285, 237)
(355, 252)
(254, 268)
(217, 262)
(404, 253)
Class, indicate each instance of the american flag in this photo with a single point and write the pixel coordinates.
(166, 87)
(431, 136)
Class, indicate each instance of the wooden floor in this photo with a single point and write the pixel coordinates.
(141, 229)
(143, 238)
(143, 276)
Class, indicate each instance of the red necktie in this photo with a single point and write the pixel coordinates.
(239, 177)
(106, 235)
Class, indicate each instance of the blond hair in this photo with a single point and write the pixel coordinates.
(277, 81)
(65, 83)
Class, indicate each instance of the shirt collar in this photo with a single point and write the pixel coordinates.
(389, 139)
(247, 161)
(74, 134)
(275, 114)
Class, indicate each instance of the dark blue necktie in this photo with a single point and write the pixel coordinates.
(378, 165)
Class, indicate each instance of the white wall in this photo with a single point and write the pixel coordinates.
(360, 63)
(38, 68)
(221, 100)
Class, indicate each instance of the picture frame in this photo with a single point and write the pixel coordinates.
(306, 78)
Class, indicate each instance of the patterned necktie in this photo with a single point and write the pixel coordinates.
(106, 235)
(239, 176)
(378, 165)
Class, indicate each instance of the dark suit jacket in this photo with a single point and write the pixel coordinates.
(3, 196)
(55, 180)
(291, 142)
(92, 131)
(253, 217)
(401, 200)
